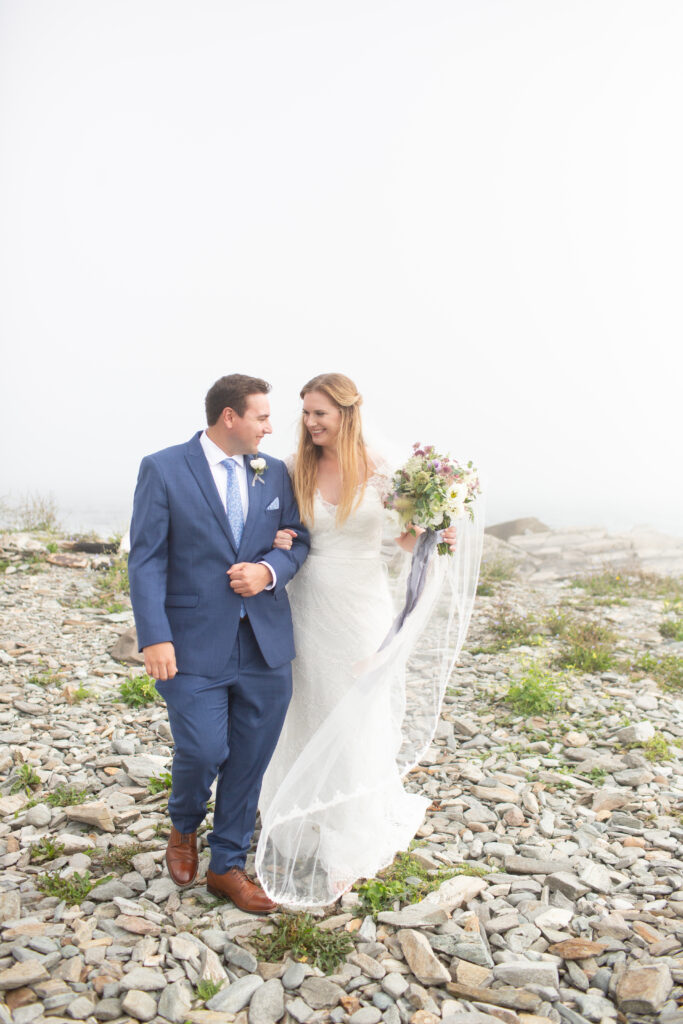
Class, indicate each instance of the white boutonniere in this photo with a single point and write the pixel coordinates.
(259, 466)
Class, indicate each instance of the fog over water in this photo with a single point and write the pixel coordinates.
(471, 207)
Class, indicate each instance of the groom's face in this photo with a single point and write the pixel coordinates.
(248, 431)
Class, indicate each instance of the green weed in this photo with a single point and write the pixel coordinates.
(406, 880)
(66, 796)
(117, 857)
(667, 670)
(587, 647)
(139, 691)
(536, 692)
(672, 629)
(72, 890)
(26, 780)
(160, 783)
(45, 849)
(207, 989)
(45, 679)
(300, 936)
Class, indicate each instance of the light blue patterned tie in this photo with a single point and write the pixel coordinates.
(235, 510)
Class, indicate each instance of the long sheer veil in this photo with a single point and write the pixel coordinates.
(341, 812)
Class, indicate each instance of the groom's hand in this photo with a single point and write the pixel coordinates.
(249, 578)
(160, 661)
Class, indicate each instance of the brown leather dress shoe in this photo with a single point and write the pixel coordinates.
(236, 885)
(182, 857)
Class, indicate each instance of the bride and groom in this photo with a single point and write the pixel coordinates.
(218, 533)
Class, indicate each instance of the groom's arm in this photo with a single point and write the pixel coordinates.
(148, 570)
(287, 563)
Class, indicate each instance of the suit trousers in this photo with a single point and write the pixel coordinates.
(225, 728)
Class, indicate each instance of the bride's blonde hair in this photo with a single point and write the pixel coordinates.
(351, 452)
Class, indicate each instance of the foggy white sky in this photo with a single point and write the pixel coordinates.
(472, 207)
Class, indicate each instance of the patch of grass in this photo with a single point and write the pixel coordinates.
(654, 749)
(207, 989)
(406, 880)
(44, 850)
(45, 679)
(66, 796)
(72, 890)
(596, 775)
(160, 783)
(117, 857)
(557, 623)
(667, 670)
(618, 586)
(26, 780)
(300, 936)
(76, 696)
(536, 692)
(672, 629)
(588, 647)
(512, 629)
(139, 691)
(494, 571)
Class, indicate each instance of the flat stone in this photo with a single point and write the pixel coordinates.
(240, 957)
(321, 993)
(294, 976)
(426, 967)
(644, 989)
(267, 1003)
(175, 1001)
(596, 877)
(641, 732)
(516, 865)
(10, 905)
(145, 979)
(368, 1015)
(394, 984)
(496, 794)
(143, 768)
(527, 972)
(577, 949)
(139, 1004)
(39, 815)
(568, 884)
(300, 1010)
(137, 925)
(609, 800)
(96, 813)
(27, 973)
(108, 1009)
(233, 998)
(370, 968)
(82, 1007)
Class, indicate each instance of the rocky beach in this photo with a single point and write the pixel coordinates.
(545, 885)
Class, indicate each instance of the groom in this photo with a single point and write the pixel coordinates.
(213, 621)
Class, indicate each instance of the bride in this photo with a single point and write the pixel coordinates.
(333, 806)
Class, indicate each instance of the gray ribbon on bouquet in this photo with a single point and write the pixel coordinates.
(417, 578)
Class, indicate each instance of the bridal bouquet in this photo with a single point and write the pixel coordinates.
(432, 490)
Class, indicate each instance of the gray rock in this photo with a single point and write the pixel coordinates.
(10, 905)
(366, 1015)
(176, 1001)
(144, 979)
(294, 976)
(321, 993)
(39, 815)
(426, 967)
(239, 957)
(644, 989)
(139, 1004)
(233, 998)
(300, 1010)
(108, 1009)
(641, 732)
(267, 1003)
(80, 1008)
(521, 973)
(394, 984)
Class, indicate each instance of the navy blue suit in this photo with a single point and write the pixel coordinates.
(228, 701)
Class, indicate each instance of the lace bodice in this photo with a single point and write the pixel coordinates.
(361, 535)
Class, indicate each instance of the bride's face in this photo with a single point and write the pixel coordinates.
(322, 418)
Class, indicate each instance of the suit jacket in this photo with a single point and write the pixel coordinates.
(182, 546)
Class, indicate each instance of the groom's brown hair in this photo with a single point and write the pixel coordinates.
(231, 392)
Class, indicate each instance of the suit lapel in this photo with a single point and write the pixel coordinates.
(196, 460)
(256, 495)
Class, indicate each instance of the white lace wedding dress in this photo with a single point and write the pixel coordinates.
(333, 806)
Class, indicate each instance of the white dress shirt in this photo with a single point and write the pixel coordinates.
(215, 456)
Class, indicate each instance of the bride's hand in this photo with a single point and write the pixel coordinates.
(450, 537)
(283, 539)
(407, 541)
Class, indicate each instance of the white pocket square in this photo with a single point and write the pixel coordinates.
(274, 505)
